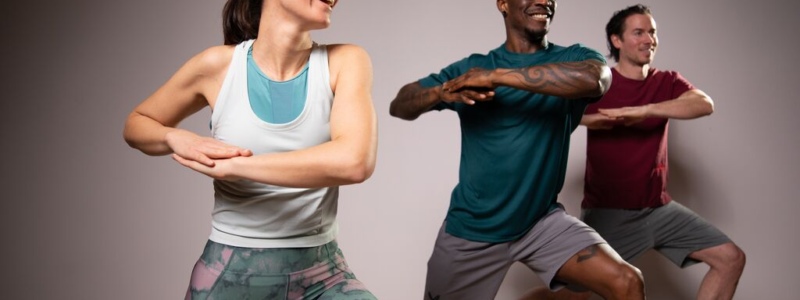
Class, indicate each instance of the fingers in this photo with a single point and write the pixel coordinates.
(452, 86)
(476, 95)
(216, 170)
(214, 149)
(195, 165)
(475, 78)
(623, 113)
(199, 157)
(191, 164)
(610, 113)
(467, 96)
(204, 150)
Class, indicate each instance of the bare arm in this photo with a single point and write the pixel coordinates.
(597, 121)
(350, 155)
(689, 105)
(571, 80)
(151, 127)
(413, 100)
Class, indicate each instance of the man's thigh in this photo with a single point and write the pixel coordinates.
(628, 232)
(463, 269)
(678, 232)
(551, 243)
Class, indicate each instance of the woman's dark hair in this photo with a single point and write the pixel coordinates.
(240, 19)
(616, 25)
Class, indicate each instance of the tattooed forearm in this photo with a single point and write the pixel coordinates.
(569, 79)
(587, 253)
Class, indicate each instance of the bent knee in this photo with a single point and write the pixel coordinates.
(726, 257)
(733, 256)
(628, 278)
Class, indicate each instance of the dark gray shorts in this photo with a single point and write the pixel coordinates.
(462, 269)
(672, 229)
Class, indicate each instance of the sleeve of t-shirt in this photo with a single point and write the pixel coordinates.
(680, 85)
(450, 72)
(583, 53)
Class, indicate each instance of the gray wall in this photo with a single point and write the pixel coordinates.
(85, 217)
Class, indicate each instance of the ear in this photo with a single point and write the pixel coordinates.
(502, 6)
(616, 41)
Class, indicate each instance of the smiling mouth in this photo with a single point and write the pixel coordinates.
(539, 13)
(540, 16)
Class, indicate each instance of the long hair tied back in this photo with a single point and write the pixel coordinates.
(240, 20)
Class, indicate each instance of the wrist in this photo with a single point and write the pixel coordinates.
(169, 137)
(494, 76)
(649, 110)
(438, 94)
(228, 166)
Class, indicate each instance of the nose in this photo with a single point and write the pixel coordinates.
(653, 39)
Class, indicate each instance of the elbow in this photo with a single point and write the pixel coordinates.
(358, 175)
(356, 167)
(398, 108)
(603, 82)
(357, 171)
(709, 107)
(136, 142)
(395, 111)
(130, 138)
(703, 108)
(591, 89)
(597, 89)
(595, 83)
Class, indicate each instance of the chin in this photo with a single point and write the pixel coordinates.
(536, 34)
(320, 24)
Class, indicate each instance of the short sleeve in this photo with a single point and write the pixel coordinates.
(679, 85)
(450, 72)
(582, 52)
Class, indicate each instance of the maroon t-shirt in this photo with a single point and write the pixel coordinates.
(626, 166)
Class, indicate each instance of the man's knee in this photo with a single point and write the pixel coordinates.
(628, 278)
(730, 258)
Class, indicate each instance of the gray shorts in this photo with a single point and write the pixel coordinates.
(672, 229)
(462, 269)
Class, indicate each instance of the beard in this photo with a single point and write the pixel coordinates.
(536, 35)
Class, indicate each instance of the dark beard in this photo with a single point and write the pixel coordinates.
(535, 36)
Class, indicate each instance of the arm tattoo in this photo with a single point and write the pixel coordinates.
(587, 253)
(560, 78)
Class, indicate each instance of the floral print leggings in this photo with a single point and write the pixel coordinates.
(318, 273)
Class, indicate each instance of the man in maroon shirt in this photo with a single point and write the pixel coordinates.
(625, 196)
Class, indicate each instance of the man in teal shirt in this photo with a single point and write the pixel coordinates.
(517, 106)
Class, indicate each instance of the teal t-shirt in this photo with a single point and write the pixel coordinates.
(513, 149)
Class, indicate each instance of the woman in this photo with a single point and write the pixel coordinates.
(291, 121)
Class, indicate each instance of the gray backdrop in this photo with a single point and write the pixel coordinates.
(86, 217)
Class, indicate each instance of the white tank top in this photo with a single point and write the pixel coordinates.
(256, 215)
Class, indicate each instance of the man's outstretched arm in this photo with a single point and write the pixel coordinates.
(691, 104)
(582, 79)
